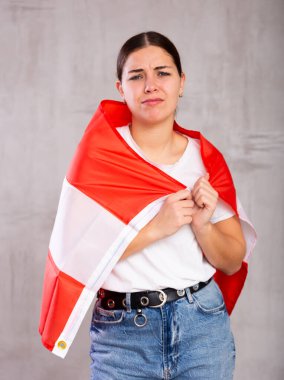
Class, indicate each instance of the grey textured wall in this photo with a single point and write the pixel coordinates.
(57, 61)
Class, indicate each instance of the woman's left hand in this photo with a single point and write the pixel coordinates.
(205, 198)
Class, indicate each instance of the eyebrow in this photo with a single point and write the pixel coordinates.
(156, 68)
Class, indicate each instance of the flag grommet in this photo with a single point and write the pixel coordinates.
(61, 344)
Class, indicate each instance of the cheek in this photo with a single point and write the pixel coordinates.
(175, 88)
(173, 94)
(133, 97)
(131, 91)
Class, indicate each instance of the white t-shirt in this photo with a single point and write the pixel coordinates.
(175, 261)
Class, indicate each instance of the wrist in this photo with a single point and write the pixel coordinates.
(202, 230)
(152, 231)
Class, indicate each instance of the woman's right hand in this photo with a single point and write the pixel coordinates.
(176, 211)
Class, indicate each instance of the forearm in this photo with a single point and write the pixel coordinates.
(223, 251)
(166, 222)
(146, 236)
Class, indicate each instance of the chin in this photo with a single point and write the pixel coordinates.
(152, 120)
(153, 116)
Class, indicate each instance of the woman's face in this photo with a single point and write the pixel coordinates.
(151, 85)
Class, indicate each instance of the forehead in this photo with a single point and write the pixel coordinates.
(151, 56)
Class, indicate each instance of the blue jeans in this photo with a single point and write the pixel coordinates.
(189, 338)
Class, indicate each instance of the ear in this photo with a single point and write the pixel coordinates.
(119, 88)
(182, 81)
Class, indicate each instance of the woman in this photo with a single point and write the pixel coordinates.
(160, 314)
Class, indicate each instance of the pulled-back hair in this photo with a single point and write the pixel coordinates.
(142, 40)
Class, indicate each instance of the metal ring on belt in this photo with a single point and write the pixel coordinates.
(149, 298)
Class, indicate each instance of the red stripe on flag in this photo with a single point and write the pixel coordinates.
(117, 114)
(109, 171)
(60, 294)
(214, 162)
(231, 286)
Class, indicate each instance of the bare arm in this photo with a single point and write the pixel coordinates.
(223, 244)
(145, 237)
(175, 212)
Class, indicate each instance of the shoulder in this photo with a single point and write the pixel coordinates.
(181, 141)
(193, 142)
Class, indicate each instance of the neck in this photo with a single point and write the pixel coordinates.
(158, 138)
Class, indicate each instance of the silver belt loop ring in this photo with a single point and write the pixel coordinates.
(162, 297)
(124, 303)
(144, 301)
(180, 292)
(140, 314)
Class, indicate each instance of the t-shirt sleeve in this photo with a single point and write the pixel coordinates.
(223, 211)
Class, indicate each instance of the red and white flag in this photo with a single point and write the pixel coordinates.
(109, 194)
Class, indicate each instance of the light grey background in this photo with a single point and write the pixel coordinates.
(57, 61)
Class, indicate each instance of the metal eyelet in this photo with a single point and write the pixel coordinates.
(144, 301)
(195, 287)
(180, 292)
(124, 302)
(111, 303)
(101, 293)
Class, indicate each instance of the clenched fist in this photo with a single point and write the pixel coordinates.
(194, 207)
(206, 199)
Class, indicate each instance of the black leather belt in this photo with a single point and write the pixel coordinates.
(149, 298)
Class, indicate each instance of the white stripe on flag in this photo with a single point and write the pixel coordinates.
(83, 231)
(96, 269)
(248, 230)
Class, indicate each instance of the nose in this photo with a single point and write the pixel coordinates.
(150, 85)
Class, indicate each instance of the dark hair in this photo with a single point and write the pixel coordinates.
(142, 40)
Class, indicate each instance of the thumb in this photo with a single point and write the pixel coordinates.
(207, 176)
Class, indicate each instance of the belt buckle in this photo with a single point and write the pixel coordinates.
(164, 300)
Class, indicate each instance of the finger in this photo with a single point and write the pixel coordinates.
(206, 200)
(179, 195)
(190, 211)
(187, 219)
(186, 203)
(201, 183)
(204, 188)
(204, 178)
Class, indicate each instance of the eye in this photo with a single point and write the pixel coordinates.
(163, 73)
(135, 77)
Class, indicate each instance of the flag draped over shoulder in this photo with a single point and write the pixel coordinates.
(108, 195)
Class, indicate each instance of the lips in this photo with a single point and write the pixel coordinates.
(152, 101)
